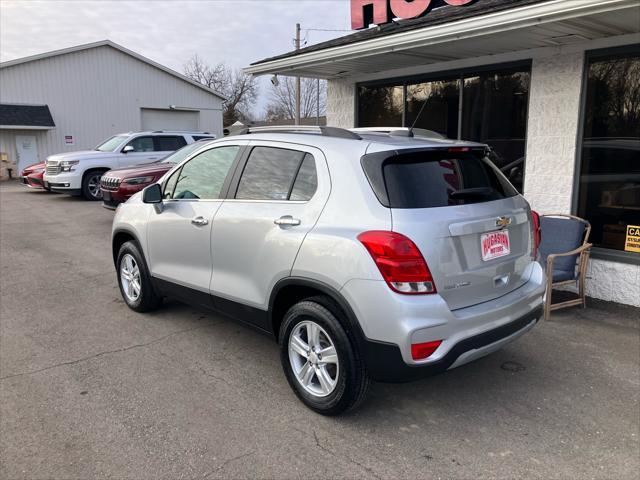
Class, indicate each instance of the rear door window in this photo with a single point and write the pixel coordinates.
(169, 143)
(277, 174)
(436, 179)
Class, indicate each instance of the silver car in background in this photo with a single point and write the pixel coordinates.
(368, 255)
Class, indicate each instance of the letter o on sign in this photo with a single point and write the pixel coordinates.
(407, 9)
(458, 2)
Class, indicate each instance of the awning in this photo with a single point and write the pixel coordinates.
(25, 117)
(484, 28)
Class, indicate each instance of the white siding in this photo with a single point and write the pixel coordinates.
(98, 92)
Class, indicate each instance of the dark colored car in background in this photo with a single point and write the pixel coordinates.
(120, 184)
(31, 176)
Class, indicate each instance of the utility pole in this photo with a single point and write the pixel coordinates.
(318, 101)
(297, 78)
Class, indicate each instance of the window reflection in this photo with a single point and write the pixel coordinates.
(609, 189)
(495, 113)
(440, 100)
(380, 106)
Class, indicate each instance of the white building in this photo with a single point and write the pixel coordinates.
(73, 99)
(552, 85)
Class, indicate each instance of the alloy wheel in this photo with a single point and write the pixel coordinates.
(313, 358)
(130, 277)
(93, 185)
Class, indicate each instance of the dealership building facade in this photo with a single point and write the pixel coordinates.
(553, 86)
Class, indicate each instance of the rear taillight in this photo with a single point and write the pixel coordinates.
(536, 233)
(399, 261)
(420, 351)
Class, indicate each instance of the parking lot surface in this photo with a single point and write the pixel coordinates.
(90, 389)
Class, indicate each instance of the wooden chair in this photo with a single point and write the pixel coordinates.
(564, 251)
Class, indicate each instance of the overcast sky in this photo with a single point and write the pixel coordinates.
(237, 32)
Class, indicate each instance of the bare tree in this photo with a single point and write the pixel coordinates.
(282, 104)
(239, 89)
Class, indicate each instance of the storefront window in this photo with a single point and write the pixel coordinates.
(380, 106)
(441, 105)
(491, 108)
(495, 113)
(609, 189)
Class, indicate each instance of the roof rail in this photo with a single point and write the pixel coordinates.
(179, 131)
(400, 132)
(324, 131)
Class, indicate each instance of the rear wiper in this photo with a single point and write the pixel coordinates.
(470, 192)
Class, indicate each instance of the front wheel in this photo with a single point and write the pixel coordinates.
(134, 280)
(91, 185)
(318, 359)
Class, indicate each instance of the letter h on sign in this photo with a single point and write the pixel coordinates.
(364, 12)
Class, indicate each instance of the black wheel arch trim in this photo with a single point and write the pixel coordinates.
(331, 292)
(129, 232)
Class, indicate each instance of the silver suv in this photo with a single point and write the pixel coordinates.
(368, 255)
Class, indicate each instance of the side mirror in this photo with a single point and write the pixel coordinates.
(127, 149)
(152, 194)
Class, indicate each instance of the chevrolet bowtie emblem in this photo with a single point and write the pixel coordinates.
(503, 222)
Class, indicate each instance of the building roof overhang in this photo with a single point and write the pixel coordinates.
(528, 26)
(17, 116)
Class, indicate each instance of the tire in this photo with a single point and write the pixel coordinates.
(91, 185)
(347, 382)
(144, 298)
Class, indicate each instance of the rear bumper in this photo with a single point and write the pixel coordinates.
(398, 321)
(385, 362)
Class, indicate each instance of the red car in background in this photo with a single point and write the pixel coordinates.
(119, 184)
(31, 176)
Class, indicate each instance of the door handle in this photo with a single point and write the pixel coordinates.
(199, 221)
(287, 221)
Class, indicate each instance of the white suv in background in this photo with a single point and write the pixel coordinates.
(78, 173)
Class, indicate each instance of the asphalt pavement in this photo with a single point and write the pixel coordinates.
(90, 389)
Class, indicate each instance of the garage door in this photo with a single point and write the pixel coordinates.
(157, 119)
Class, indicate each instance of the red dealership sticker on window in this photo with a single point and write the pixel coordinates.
(495, 245)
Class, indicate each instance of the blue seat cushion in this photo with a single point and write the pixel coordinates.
(561, 235)
(562, 275)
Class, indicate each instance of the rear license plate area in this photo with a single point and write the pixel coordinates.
(495, 245)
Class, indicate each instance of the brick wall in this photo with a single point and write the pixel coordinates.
(340, 103)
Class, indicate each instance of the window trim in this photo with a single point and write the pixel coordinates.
(600, 253)
(242, 164)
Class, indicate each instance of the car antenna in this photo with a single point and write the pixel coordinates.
(424, 104)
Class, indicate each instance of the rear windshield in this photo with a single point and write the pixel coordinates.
(427, 179)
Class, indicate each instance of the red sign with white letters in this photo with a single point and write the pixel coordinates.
(364, 12)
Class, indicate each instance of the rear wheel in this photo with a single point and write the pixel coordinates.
(319, 361)
(91, 185)
(134, 279)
